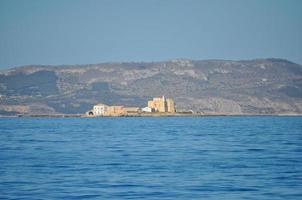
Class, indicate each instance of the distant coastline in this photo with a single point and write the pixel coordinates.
(247, 87)
(148, 115)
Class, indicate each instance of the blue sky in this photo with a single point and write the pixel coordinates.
(54, 32)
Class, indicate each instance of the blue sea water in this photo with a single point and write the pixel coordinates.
(151, 158)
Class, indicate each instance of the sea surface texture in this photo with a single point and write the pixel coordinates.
(151, 158)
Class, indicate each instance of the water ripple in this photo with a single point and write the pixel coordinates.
(151, 158)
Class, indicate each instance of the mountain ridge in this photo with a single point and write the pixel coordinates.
(259, 86)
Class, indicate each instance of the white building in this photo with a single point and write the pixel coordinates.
(147, 109)
(99, 109)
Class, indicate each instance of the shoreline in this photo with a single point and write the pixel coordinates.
(147, 115)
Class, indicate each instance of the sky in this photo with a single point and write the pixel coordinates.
(55, 32)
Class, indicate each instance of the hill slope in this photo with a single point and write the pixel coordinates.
(262, 86)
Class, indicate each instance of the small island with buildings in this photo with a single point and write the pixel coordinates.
(158, 106)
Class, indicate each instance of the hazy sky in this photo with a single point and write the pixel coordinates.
(93, 31)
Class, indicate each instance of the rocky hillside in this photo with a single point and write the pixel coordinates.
(262, 86)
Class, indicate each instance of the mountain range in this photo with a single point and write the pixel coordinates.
(260, 86)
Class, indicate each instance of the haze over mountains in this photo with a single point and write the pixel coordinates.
(261, 86)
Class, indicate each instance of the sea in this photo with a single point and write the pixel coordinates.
(226, 157)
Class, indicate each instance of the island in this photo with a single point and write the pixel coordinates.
(158, 106)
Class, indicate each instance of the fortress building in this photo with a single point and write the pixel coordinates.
(158, 104)
(161, 104)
